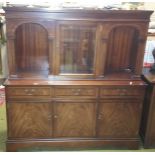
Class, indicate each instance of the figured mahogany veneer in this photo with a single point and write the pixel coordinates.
(29, 91)
(74, 77)
(119, 115)
(76, 91)
(97, 112)
(121, 91)
(23, 120)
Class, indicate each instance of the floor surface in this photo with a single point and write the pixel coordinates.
(2, 127)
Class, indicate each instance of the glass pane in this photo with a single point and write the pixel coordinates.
(77, 49)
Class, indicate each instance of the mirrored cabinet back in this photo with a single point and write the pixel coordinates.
(74, 77)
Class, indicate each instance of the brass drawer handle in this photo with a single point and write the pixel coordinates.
(30, 94)
(26, 90)
(89, 91)
(79, 90)
(29, 91)
(122, 94)
(33, 90)
(49, 117)
(76, 91)
(100, 116)
(55, 116)
(122, 91)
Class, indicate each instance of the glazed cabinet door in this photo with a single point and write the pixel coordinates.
(76, 45)
(29, 120)
(74, 118)
(119, 118)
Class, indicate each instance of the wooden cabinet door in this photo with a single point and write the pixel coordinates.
(29, 120)
(74, 119)
(119, 118)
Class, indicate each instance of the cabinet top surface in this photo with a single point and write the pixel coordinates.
(35, 82)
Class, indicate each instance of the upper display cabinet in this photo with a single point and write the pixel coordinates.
(75, 43)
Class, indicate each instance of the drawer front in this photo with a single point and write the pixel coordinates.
(75, 91)
(28, 91)
(121, 92)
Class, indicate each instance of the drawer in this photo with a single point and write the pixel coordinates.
(76, 91)
(122, 91)
(28, 91)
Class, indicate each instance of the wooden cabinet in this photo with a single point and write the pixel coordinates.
(148, 118)
(74, 77)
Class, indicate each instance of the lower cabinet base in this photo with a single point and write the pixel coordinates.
(21, 145)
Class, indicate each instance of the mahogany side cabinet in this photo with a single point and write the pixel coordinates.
(74, 77)
(147, 129)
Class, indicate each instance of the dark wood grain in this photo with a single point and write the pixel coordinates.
(119, 118)
(21, 145)
(87, 14)
(80, 92)
(121, 46)
(147, 129)
(20, 92)
(23, 120)
(123, 92)
(31, 38)
(32, 29)
(45, 82)
(74, 77)
(74, 119)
